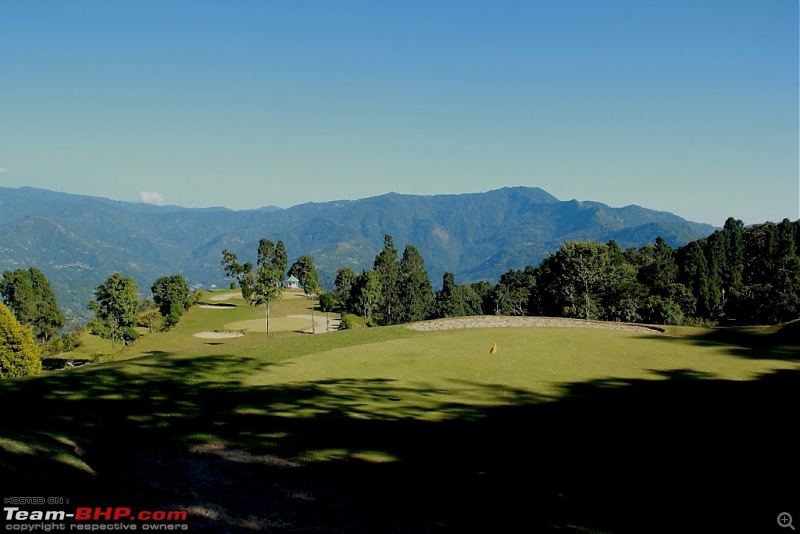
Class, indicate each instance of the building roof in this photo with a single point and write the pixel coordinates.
(292, 279)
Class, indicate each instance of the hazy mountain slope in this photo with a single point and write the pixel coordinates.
(78, 241)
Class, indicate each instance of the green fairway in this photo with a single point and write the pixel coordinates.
(345, 430)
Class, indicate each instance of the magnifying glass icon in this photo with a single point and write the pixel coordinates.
(785, 520)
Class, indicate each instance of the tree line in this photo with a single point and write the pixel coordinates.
(744, 275)
(737, 275)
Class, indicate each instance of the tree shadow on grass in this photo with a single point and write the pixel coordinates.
(359, 455)
(781, 342)
(57, 364)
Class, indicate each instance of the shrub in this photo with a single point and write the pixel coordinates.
(19, 355)
(326, 302)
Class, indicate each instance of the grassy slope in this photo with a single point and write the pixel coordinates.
(351, 431)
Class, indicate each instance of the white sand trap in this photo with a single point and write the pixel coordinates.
(219, 335)
(215, 307)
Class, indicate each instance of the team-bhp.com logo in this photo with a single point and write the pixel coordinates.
(124, 517)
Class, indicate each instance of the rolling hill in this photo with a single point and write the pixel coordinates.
(78, 241)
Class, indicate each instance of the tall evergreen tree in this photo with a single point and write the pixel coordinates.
(734, 256)
(714, 251)
(281, 262)
(367, 292)
(387, 268)
(416, 291)
(48, 320)
(483, 292)
(472, 302)
(659, 270)
(694, 275)
(448, 299)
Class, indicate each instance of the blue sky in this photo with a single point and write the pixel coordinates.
(684, 106)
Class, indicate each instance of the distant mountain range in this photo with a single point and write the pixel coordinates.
(78, 241)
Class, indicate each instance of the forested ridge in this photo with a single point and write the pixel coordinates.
(736, 275)
(78, 241)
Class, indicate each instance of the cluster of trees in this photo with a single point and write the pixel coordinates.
(30, 322)
(28, 294)
(751, 275)
(265, 285)
(394, 291)
(118, 310)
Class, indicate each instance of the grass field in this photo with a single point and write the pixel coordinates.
(395, 430)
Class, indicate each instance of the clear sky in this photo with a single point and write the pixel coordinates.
(689, 106)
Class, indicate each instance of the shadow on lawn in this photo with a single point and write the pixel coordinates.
(780, 342)
(606, 456)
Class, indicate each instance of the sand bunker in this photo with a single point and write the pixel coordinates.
(219, 335)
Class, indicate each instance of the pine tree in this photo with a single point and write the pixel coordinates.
(48, 319)
(694, 274)
(281, 261)
(388, 270)
(415, 289)
(367, 292)
(734, 256)
(448, 299)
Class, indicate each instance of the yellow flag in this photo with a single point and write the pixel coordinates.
(493, 350)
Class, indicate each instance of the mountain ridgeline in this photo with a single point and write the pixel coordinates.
(78, 241)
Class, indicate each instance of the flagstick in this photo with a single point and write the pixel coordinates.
(502, 378)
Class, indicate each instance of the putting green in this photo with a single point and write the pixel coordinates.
(413, 376)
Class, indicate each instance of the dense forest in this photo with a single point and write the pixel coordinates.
(736, 275)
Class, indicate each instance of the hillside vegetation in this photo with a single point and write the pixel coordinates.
(77, 241)
(394, 429)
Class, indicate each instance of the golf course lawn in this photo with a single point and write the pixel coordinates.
(563, 429)
(455, 366)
